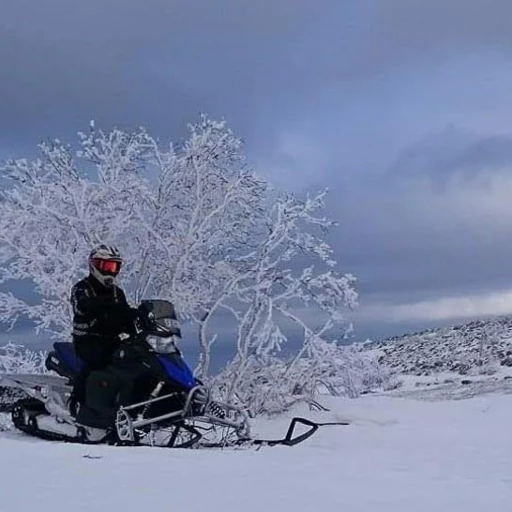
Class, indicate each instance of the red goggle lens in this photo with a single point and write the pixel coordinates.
(108, 266)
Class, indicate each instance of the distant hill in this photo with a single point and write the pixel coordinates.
(478, 347)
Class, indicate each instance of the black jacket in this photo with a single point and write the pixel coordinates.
(100, 314)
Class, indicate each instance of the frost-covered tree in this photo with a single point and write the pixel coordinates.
(178, 215)
(275, 290)
(197, 227)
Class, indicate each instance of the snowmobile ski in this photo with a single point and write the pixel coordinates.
(290, 439)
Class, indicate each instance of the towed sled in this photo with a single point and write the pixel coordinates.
(164, 405)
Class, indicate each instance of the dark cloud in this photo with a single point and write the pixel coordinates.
(159, 62)
(156, 62)
(453, 151)
(415, 31)
(353, 94)
(438, 223)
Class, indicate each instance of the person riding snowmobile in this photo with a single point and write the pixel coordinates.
(101, 314)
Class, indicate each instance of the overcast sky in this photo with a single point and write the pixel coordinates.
(402, 107)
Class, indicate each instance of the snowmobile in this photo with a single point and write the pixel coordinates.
(167, 405)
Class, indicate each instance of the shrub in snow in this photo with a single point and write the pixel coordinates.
(272, 385)
(5, 422)
(16, 359)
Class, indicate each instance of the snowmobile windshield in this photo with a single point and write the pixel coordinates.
(161, 318)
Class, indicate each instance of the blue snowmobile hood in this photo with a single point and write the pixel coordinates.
(176, 369)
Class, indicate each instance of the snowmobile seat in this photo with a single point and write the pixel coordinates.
(63, 360)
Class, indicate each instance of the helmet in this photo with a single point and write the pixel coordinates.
(105, 263)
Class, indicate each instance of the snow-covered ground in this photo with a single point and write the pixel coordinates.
(398, 454)
(480, 347)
